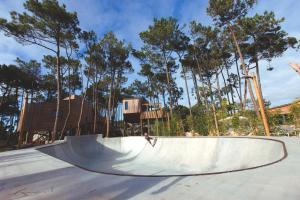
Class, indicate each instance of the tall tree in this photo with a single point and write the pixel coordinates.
(147, 71)
(180, 45)
(160, 38)
(46, 24)
(264, 38)
(89, 38)
(208, 59)
(12, 80)
(139, 88)
(225, 13)
(189, 63)
(33, 68)
(73, 83)
(50, 66)
(115, 54)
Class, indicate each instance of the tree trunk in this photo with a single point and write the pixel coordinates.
(219, 90)
(245, 71)
(258, 77)
(17, 102)
(245, 94)
(169, 89)
(168, 116)
(203, 94)
(109, 105)
(156, 115)
(239, 95)
(253, 99)
(57, 114)
(69, 106)
(82, 103)
(164, 99)
(186, 88)
(196, 87)
(201, 80)
(225, 84)
(152, 99)
(113, 108)
(240, 82)
(95, 114)
(4, 95)
(23, 120)
(198, 67)
(213, 107)
(95, 102)
(21, 104)
(231, 89)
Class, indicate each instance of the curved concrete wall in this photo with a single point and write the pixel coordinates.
(170, 156)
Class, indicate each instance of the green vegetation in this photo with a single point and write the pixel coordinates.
(295, 114)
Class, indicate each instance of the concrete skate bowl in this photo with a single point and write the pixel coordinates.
(173, 156)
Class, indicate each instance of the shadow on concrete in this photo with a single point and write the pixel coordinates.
(166, 187)
(16, 156)
(127, 188)
(73, 183)
(89, 154)
(10, 183)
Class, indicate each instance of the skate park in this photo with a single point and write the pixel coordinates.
(172, 99)
(230, 168)
(187, 156)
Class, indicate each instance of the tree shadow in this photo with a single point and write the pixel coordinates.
(16, 156)
(10, 183)
(130, 187)
(89, 154)
(77, 183)
(166, 187)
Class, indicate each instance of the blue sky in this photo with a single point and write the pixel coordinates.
(127, 18)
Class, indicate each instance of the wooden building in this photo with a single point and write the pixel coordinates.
(282, 109)
(138, 114)
(132, 109)
(38, 118)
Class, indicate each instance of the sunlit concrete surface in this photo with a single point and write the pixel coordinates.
(169, 156)
(50, 173)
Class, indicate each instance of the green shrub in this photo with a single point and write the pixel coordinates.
(295, 112)
(235, 122)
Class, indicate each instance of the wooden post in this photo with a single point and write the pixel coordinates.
(261, 105)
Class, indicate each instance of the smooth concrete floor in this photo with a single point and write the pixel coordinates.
(169, 156)
(31, 174)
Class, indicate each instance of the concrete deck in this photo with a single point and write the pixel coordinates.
(44, 173)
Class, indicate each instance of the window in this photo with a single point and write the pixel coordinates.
(126, 105)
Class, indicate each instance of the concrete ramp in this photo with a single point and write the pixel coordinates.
(171, 156)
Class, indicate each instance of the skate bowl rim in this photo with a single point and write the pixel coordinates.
(285, 155)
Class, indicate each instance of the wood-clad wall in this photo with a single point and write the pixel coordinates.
(153, 114)
(282, 109)
(41, 116)
(134, 106)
